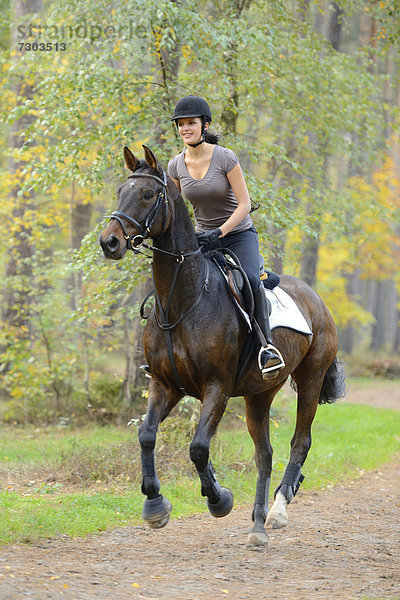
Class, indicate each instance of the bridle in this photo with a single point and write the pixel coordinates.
(144, 226)
(135, 240)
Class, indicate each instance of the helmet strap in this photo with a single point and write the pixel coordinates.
(198, 143)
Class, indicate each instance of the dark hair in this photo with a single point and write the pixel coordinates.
(212, 138)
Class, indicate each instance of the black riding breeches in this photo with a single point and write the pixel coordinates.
(245, 245)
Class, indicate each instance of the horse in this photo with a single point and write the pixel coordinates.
(194, 341)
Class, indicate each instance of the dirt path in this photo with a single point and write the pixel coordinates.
(384, 394)
(341, 543)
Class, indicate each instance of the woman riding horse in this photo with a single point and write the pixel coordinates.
(194, 324)
(211, 178)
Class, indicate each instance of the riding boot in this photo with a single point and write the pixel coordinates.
(270, 360)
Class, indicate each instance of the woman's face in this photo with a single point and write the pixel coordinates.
(190, 129)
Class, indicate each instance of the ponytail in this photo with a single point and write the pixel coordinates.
(212, 138)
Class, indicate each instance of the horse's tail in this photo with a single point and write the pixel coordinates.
(334, 384)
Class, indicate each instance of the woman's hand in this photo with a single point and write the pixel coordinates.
(209, 237)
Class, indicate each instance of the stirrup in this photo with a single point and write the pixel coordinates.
(146, 370)
(277, 366)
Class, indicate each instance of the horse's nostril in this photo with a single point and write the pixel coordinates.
(112, 243)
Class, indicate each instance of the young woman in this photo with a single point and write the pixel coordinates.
(211, 178)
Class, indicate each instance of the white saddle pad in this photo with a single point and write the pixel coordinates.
(285, 312)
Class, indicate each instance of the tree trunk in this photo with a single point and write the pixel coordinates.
(17, 279)
(347, 335)
(230, 111)
(335, 25)
(309, 259)
(396, 339)
(276, 250)
(79, 223)
(229, 114)
(378, 330)
(168, 61)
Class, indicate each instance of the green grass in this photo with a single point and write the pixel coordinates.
(347, 439)
(378, 383)
(34, 445)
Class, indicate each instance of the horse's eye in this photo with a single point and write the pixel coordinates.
(148, 195)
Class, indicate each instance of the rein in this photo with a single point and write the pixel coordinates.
(135, 240)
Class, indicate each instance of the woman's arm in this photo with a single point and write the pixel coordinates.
(176, 182)
(239, 188)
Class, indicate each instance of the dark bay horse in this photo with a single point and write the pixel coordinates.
(194, 340)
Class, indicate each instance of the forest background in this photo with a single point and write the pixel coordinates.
(307, 94)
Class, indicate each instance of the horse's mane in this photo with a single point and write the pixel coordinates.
(174, 193)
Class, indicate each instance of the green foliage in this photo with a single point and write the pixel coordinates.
(306, 119)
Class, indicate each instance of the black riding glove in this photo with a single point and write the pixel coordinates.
(208, 237)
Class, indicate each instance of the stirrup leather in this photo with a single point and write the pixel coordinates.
(275, 350)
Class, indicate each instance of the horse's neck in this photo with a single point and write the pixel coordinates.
(180, 239)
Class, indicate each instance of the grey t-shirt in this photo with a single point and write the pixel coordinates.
(212, 197)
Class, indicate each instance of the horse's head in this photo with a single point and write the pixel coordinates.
(142, 210)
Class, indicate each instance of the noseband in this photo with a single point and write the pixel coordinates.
(144, 226)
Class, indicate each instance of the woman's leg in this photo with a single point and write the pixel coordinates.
(245, 245)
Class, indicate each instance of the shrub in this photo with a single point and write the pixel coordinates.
(373, 365)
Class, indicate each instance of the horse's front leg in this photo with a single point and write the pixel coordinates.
(156, 509)
(219, 499)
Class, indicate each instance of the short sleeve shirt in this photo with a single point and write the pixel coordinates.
(212, 197)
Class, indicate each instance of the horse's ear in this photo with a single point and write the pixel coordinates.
(151, 159)
(130, 159)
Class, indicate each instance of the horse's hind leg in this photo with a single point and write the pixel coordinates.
(156, 509)
(257, 418)
(309, 383)
(219, 499)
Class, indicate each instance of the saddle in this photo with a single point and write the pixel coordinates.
(237, 280)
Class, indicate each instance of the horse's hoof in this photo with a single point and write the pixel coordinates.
(156, 512)
(276, 520)
(224, 505)
(277, 516)
(257, 539)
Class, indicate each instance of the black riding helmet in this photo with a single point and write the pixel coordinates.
(193, 106)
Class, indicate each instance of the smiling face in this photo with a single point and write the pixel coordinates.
(190, 129)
